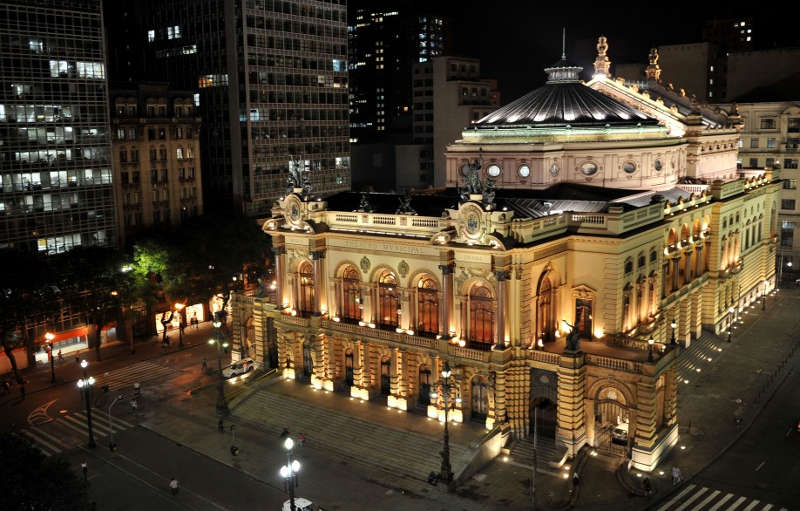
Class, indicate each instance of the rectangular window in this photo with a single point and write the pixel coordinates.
(151, 36)
(789, 163)
(790, 184)
(197, 99)
(770, 162)
(753, 163)
(787, 204)
(219, 80)
(58, 68)
(91, 70)
(787, 234)
(771, 143)
(179, 153)
(767, 124)
(753, 143)
(163, 175)
(793, 125)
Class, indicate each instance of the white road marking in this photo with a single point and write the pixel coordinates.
(767, 507)
(691, 499)
(40, 412)
(77, 429)
(51, 437)
(760, 465)
(751, 505)
(675, 499)
(708, 499)
(40, 443)
(96, 424)
(736, 504)
(719, 504)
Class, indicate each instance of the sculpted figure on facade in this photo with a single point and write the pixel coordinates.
(472, 180)
(298, 178)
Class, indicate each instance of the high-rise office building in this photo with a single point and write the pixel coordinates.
(385, 41)
(271, 86)
(54, 127)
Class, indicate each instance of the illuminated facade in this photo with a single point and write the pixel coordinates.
(156, 152)
(559, 286)
(54, 156)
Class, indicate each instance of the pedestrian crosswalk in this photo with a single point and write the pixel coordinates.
(702, 498)
(135, 373)
(71, 430)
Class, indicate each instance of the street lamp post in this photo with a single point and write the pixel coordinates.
(650, 342)
(179, 307)
(446, 470)
(764, 296)
(289, 471)
(222, 404)
(730, 323)
(49, 339)
(673, 325)
(85, 384)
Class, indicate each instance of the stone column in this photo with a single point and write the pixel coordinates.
(699, 270)
(319, 355)
(285, 355)
(500, 316)
(280, 270)
(571, 430)
(664, 280)
(689, 272)
(359, 388)
(447, 299)
(675, 266)
(646, 404)
(393, 378)
(318, 257)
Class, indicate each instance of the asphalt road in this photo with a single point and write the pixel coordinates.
(763, 463)
(137, 477)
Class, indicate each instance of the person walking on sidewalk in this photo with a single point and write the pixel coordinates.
(205, 365)
(60, 356)
(676, 476)
(173, 486)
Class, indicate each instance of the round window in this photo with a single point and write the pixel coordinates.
(589, 169)
(524, 171)
(465, 170)
(657, 165)
(554, 170)
(493, 170)
(629, 167)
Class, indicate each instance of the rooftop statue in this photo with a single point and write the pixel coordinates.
(298, 178)
(472, 180)
(405, 206)
(573, 338)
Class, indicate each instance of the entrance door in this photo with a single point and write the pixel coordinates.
(424, 387)
(348, 368)
(308, 362)
(386, 385)
(480, 400)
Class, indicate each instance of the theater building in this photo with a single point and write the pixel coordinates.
(589, 229)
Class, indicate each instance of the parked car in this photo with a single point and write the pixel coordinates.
(245, 365)
(619, 435)
(300, 504)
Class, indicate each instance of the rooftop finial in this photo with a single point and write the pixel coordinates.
(563, 43)
(602, 64)
(653, 71)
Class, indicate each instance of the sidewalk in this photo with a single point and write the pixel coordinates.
(113, 355)
(737, 382)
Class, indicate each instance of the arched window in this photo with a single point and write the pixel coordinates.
(626, 306)
(427, 306)
(388, 300)
(351, 294)
(424, 386)
(628, 267)
(545, 310)
(481, 315)
(386, 376)
(306, 276)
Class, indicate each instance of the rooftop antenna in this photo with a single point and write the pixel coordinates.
(563, 43)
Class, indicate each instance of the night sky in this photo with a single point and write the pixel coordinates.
(516, 42)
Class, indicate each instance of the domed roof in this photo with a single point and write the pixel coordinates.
(565, 100)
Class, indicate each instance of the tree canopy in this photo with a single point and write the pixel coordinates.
(32, 481)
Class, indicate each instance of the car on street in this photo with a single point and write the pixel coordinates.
(300, 504)
(243, 366)
(619, 435)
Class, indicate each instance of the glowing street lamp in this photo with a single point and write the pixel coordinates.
(289, 471)
(49, 340)
(85, 385)
(650, 343)
(446, 470)
(730, 323)
(222, 404)
(673, 325)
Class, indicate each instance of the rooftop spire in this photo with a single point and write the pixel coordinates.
(563, 43)
(653, 71)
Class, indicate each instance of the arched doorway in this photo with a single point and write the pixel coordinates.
(543, 420)
(479, 392)
(612, 421)
(308, 362)
(386, 376)
(545, 311)
(424, 386)
(348, 367)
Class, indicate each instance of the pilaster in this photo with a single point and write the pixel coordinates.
(571, 431)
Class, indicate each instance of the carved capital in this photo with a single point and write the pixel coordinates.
(502, 275)
(317, 254)
(447, 269)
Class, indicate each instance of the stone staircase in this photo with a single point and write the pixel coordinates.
(360, 441)
(548, 453)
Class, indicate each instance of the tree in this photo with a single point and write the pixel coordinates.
(34, 482)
